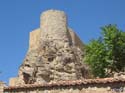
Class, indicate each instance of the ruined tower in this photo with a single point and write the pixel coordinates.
(55, 53)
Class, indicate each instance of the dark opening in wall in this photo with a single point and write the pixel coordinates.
(50, 59)
(26, 78)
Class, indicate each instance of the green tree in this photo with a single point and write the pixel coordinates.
(106, 55)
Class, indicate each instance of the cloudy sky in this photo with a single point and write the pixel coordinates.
(19, 17)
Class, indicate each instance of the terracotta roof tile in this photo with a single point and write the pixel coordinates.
(68, 83)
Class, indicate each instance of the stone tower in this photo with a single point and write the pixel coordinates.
(55, 53)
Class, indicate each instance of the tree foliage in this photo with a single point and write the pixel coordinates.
(106, 55)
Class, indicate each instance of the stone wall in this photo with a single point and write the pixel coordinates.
(97, 88)
(34, 41)
(2, 87)
(107, 85)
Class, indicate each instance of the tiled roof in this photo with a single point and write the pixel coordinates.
(68, 83)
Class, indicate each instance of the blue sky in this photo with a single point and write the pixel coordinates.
(19, 17)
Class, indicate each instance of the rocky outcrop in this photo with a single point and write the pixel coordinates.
(55, 52)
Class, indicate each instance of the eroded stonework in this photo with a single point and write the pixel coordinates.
(55, 53)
